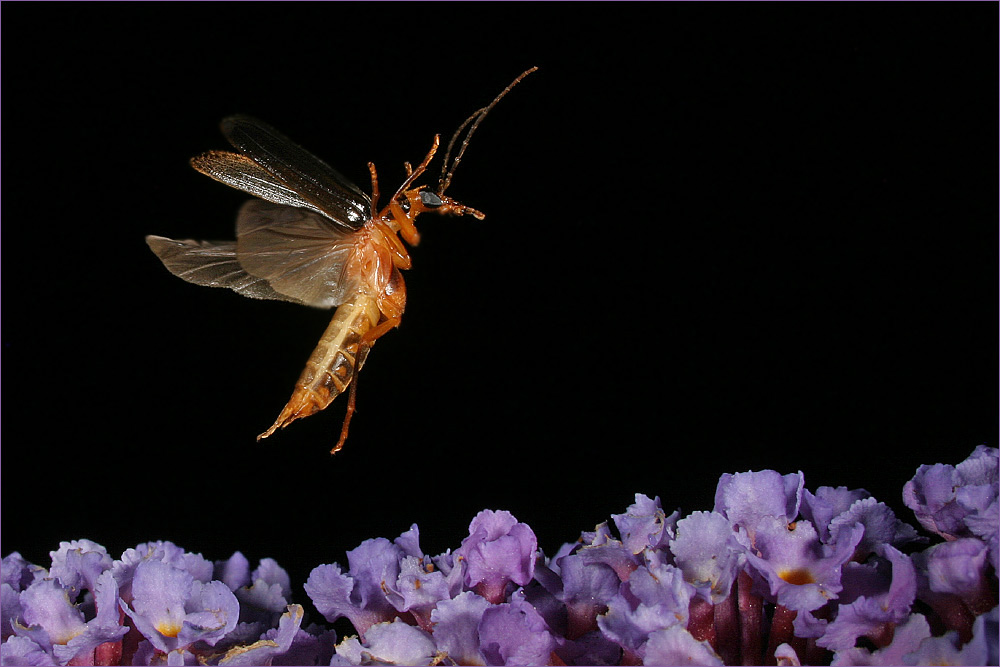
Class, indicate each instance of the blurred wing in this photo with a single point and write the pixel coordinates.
(240, 172)
(301, 254)
(300, 171)
(213, 265)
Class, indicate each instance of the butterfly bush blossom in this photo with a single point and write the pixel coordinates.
(773, 574)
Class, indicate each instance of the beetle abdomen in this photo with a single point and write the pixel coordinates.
(332, 364)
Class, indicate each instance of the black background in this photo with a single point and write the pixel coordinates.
(718, 238)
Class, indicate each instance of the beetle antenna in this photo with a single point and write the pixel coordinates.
(475, 119)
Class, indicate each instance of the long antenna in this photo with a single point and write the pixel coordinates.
(446, 174)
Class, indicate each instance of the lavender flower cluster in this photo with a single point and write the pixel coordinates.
(775, 574)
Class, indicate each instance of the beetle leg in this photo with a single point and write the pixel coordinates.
(400, 257)
(405, 221)
(371, 168)
(415, 174)
(364, 345)
(412, 175)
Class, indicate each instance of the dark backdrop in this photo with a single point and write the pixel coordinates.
(719, 238)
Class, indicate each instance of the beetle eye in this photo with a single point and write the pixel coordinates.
(429, 199)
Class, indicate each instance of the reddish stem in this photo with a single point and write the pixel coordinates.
(751, 621)
(782, 632)
(727, 629)
(701, 620)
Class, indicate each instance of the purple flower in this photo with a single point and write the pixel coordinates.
(456, 627)
(827, 503)
(270, 574)
(878, 601)
(645, 525)
(263, 594)
(948, 650)
(949, 499)
(745, 583)
(48, 608)
(498, 552)
(418, 589)
(601, 547)
(514, 633)
(785, 656)
(655, 597)
(10, 609)
(957, 567)
(78, 564)
(979, 497)
(881, 527)
(173, 610)
(987, 526)
(745, 498)
(987, 627)
(384, 579)
(17, 574)
(954, 579)
(273, 643)
(708, 554)
(982, 468)
(676, 646)
(58, 627)
(394, 643)
(167, 552)
(906, 639)
(358, 595)
(802, 573)
(23, 651)
(314, 646)
(586, 590)
(234, 572)
(409, 542)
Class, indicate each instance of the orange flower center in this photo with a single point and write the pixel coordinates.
(797, 577)
(168, 628)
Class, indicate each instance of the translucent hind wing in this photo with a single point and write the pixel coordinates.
(298, 252)
(212, 264)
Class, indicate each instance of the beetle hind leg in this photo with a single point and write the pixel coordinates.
(364, 346)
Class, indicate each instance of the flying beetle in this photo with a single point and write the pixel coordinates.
(312, 237)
